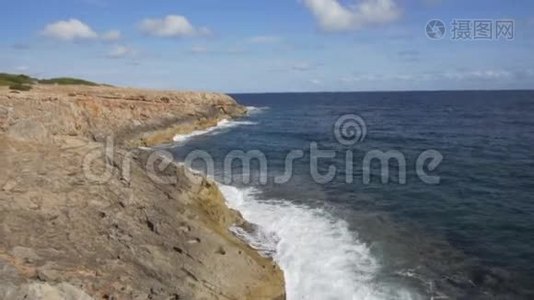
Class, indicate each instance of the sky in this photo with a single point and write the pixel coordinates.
(271, 46)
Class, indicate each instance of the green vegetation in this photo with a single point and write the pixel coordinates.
(20, 87)
(67, 81)
(23, 80)
(11, 79)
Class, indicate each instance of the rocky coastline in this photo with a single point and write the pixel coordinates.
(123, 235)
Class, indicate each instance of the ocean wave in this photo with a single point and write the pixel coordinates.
(319, 255)
(223, 124)
(255, 110)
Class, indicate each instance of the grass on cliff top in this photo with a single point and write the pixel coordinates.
(67, 81)
(20, 87)
(11, 79)
(14, 79)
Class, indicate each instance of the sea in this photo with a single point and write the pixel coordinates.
(382, 195)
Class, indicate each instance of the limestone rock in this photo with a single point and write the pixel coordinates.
(28, 130)
(45, 291)
(64, 235)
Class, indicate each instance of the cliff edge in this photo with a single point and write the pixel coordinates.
(122, 233)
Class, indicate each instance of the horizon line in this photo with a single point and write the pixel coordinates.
(385, 91)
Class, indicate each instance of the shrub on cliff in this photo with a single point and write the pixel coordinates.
(67, 81)
(15, 79)
(20, 87)
(11, 79)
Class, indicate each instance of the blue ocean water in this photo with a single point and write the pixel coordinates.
(469, 237)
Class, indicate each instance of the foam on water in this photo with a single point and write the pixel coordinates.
(320, 257)
(255, 110)
(223, 124)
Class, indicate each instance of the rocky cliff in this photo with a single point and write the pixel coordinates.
(123, 234)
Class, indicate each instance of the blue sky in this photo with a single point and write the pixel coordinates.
(267, 46)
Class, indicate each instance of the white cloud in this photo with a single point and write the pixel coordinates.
(171, 26)
(335, 16)
(69, 30)
(316, 81)
(478, 74)
(111, 36)
(120, 51)
(456, 75)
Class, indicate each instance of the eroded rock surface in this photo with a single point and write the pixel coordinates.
(66, 236)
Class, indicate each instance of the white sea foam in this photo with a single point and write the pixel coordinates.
(223, 124)
(254, 110)
(320, 257)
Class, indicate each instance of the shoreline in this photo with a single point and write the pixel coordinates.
(127, 237)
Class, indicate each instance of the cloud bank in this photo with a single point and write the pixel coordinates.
(171, 26)
(76, 30)
(334, 16)
(69, 30)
